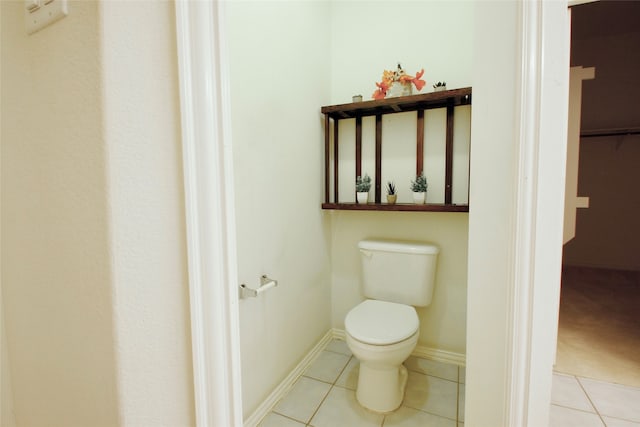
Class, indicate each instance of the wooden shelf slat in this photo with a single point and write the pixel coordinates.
(407, 207)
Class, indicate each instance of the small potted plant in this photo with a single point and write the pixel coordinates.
(363, 184)
(440, 86)
(419, 188)
(392, 196)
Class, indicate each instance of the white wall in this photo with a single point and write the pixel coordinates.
(146, 213)
(367, 38)
(515, 226)
(279, 63)
(93, 244)
(56, 277)
(492, 219)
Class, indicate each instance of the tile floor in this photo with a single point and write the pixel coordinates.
(325, 397)
(599, 323)
(584, 402)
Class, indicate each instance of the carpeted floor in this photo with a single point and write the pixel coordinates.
(599, 330)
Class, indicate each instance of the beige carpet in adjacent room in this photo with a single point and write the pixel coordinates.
(599, 330)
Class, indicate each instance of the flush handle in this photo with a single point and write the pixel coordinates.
(368, 254)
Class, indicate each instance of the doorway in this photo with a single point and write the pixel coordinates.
(599, 328)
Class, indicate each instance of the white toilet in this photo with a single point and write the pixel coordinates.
(382, 331)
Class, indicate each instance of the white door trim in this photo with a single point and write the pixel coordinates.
(210, 217)
(544, 103)
(529, 100)
(514, 271)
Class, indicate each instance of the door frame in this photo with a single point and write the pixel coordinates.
(209, 208)
(535, 256)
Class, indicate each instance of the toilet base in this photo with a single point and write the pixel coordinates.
(381, 388)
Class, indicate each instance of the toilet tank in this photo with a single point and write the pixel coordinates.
(399, 271)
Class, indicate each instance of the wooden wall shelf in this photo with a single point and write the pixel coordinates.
(401, 104)
(448, 99)
(407, 207)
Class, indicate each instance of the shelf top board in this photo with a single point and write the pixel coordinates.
(429, 207)
(400, 104)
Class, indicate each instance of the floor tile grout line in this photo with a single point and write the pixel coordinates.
(337, 352)
(455, 419)
(319, 406)
(600, 380)
(559, 405)
(334, 384)
(623, 419)
(342, 370)
(282, 415)
(308, 422)
(590, 401)
(317, 379)
(459, 385)
(431, 413)
(304, 374)
(457, 382)
(434, 376)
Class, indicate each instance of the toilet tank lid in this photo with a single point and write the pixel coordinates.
(421, 248)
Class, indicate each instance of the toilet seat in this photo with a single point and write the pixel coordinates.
(381, 322)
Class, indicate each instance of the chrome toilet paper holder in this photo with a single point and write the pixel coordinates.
(265, 284)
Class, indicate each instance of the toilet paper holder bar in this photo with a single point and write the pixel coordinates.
(265, 284)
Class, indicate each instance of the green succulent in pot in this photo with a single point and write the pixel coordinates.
(391, 188)
(363, 183)
(392, 195)
(419, 188)
(419, 185)
(440, 86)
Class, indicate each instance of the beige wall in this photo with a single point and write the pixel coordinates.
(442, 324)
(93, 243)
(7, 415)
(56, 275)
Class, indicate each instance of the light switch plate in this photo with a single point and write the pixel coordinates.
(48, 13)
(31, 5)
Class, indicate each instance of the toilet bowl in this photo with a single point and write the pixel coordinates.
(381, 335)
(382, 331)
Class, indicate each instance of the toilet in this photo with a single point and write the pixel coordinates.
(383, 330)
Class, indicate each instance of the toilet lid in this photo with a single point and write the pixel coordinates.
(381, 323)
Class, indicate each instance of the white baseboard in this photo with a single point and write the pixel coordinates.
(440, 355)
(282, 389)
(338, 334)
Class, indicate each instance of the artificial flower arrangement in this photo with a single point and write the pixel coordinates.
(397, 83)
